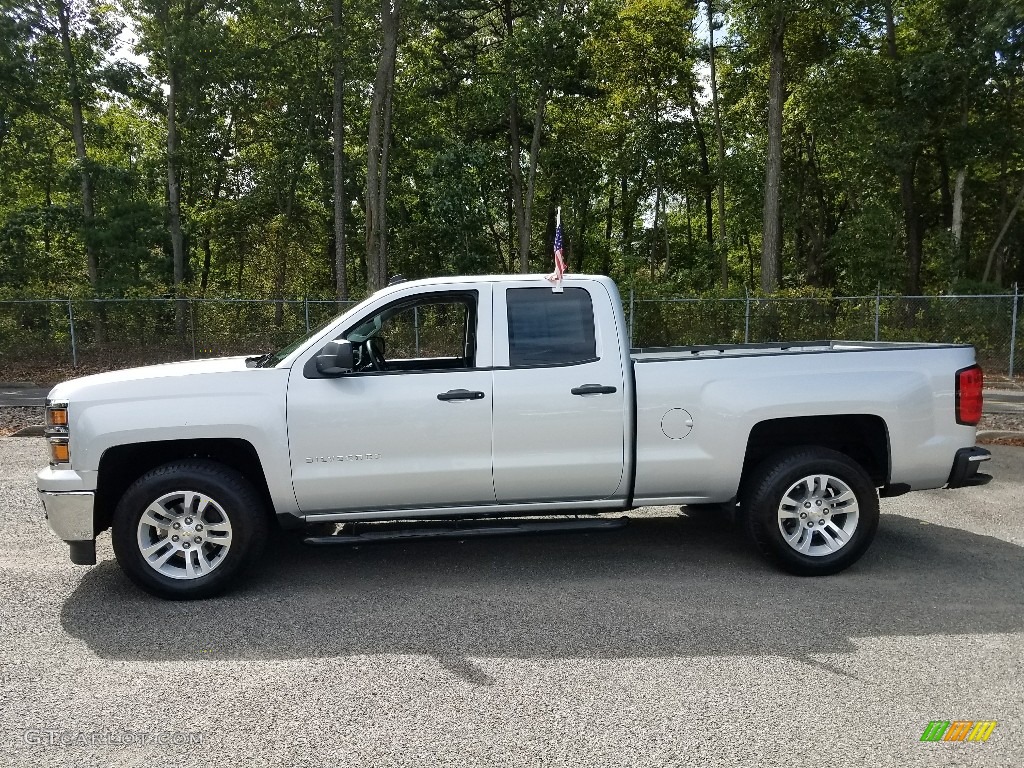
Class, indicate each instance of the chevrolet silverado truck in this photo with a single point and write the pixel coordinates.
(467, 400)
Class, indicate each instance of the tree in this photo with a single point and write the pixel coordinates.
(771, 243)
(713, 77)
(165, 26)
(378, 147)
(338, 146)
(523, 198)
(839, 147)
(78, 133)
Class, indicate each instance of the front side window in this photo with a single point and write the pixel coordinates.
(548, 328)
(426, 333)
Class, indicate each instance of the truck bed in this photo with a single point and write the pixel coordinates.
(907, 400)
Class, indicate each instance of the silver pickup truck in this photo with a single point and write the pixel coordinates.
(470, 399)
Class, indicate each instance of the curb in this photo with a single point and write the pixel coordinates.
(996, 436)
(35, 431)
(18, 385)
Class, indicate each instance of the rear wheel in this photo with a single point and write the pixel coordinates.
(187, 530)
(812, 511)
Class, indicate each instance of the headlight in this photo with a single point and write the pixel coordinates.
(57, 433)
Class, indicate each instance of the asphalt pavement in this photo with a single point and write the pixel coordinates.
(13, 394)
(1003, 401)
(668, 643)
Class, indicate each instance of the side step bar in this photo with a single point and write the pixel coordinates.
(464, 532)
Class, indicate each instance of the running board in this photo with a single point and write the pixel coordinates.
(466, 532)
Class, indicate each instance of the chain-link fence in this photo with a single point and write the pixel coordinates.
(94, 334)
(987, 322)
(112, 333)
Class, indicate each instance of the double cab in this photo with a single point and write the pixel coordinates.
(476, 398)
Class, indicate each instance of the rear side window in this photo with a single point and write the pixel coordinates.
(548, 328)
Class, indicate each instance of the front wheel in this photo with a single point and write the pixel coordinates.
(812, 511)
(188, 529)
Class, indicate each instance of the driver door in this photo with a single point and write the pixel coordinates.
(415, 434)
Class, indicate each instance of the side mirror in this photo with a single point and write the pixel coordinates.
(335, 359)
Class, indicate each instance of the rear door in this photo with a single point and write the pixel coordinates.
(559, 394)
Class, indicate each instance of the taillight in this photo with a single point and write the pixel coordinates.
(969, 385)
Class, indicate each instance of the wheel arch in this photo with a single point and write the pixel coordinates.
(864, 438)
(122, 465)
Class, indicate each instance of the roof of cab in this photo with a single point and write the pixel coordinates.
(538, 278)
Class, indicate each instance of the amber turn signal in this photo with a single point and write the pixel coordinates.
(60, 452)
(57, 417)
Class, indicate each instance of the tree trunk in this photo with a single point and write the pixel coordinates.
(580, 241)
(207, 249)
(750, 259)
(218, 185)
(531, 174)
(723, 245)
(48, 204)
(771, 245)
(1002, 234)
(890, 30)
(338, 137)
(498, 246)
(516, 171)
(378, 142)
(628, 211)
(606, 259)
(385, 154)
(510, 229)
(82, 156)
(945, 190)
(957, 226)
(912, 225)
(689, 228)
(907, 173)
(817, 230)
(668, 248)
(707, 182)
(657, 221)
(240, 248)
(523, 194)
(174, 194)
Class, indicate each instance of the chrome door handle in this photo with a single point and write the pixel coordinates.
(593, 389)
(460, 394)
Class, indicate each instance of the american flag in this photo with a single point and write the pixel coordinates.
(556, 276)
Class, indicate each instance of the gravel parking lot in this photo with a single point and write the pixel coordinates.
(667, 644)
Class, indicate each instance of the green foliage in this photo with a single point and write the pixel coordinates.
(627, 108)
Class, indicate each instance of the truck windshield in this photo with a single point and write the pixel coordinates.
(270, 359)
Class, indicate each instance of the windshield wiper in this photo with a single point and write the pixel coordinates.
(258, 361)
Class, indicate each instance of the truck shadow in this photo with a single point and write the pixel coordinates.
(666, 586)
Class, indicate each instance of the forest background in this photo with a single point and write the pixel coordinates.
(295, 148)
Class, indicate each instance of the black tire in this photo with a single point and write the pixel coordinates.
(763, 496)
(238, 500)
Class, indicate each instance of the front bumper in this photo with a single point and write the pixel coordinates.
(70, 515)
(965, 468)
